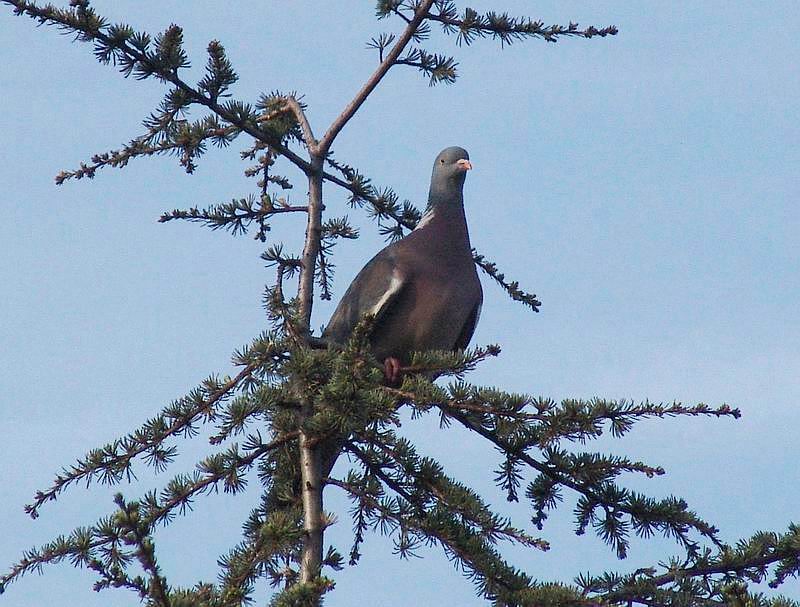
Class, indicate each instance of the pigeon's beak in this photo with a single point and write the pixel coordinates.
(464, 164)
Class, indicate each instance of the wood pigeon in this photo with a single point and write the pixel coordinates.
(423, 290)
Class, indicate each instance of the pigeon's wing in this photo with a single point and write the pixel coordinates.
(469, 327)
(374, 289)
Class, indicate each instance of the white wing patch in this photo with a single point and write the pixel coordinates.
(395, 285)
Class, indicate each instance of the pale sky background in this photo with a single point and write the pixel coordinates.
(644, 186)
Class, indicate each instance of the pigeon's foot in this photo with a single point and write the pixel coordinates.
(391, 371)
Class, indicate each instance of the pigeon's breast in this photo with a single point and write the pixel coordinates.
(429, 314)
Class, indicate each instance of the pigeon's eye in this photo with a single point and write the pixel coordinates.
(442, 161)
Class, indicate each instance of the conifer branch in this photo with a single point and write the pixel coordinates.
(139, 148)
(491, 574)
(438, 68)
(235, 216)
(258, 555)
(226, 467)
(512, 288)
(151, 510)
(750, 559)
(137, 534)
(114, 461)
(332, 230)
(470, 405)
(283, 314)
(261, 403)
(578, 420)
(129, 50)
(674, 517)
(501, 26)
(167, 135)
(383, 204)
(429, 484)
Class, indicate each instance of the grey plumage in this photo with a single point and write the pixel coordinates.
(423, 290)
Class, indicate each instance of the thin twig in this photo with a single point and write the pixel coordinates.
(467, 405)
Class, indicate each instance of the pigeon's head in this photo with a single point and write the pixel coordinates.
(452, 163)
(449, 171)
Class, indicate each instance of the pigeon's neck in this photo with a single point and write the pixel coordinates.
(445, 193)
(445, 220)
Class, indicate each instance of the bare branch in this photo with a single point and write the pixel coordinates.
(420, 15)
(308, 135)
(312, 245)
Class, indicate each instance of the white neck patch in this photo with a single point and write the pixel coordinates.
(426, 219)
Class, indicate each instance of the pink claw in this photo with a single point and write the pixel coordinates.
(391, 371)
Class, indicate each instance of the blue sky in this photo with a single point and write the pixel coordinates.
(644, 186)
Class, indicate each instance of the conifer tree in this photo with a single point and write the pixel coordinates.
(292, 390)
